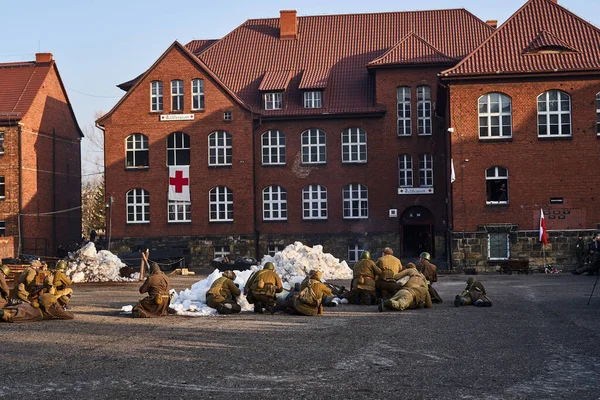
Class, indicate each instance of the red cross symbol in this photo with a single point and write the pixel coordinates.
(179, 181)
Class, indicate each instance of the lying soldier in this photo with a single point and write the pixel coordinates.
(47, 307)
(413, 294)
(474, 294)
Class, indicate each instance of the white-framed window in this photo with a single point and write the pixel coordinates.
(197, 94)
(273, 249)
(273, 147)
(227, 116)
(496, 185)
(314, 202)
(313, 99)
(404, 115)
(554, 114)
(2, 228)
(219, 149)
(274, 203)
(498, 246)
(137, 153)
(597, 119)
(405, 170)
(138, 206)
(156, 96)
(495, 116)
(354, 145)
(179, 211)
(424, 110)
(354, 252)
(273, 101)
(220, 200)
(2, 188)
(1, 142)
(355, 201)
(221, 251)
(177, 95)
(178, 149)
(425, 170)
(313, 146)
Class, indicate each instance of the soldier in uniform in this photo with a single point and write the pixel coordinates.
(474, 294)
(47, 307)
(389, 266)
(222, 294)
(363, 282)
(429, 271)
(4, 290)
(262, 288)
(62, 282)
(26, 282)
(158, 299)
(594, 253)
(413, 294)
(312, 293)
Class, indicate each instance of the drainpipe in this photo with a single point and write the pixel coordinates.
(53, 191)
(256, 231)
(20, 242)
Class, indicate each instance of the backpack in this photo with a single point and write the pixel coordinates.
(49, 280)
(308, 296)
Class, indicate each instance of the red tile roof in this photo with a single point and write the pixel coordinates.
(505, 51)
(198, 46)
(19, 84)
(413, 49)
(338, 47)
(276, 80)
(545, 40)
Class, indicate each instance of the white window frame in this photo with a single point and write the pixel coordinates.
(313, 99)
(544, 102)
(314, 145)
(227, 116)
(273, 101)
(314, 202)
(354, 145)
(179, 147)
(141, 208)
(355, 201)
(220, 154)
(179, 211)
(177, 95)
(274, 148)
(405, 171)
(2, 187)
(492, 112)
(403, 99)
(597, 117)
(2, 142)
(354, 252)
(197, 94)
(220, 210)
(499, 239)
(424, 110)
(497, 176)
(139, 146)
(425, 170)
(273, 249)
(221, 251)
(156, 96)
(274, 203)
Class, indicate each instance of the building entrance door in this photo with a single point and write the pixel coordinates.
(417, 232)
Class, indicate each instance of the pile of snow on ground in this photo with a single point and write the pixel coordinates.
(89, 265)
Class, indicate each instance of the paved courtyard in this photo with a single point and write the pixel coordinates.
(539, 341)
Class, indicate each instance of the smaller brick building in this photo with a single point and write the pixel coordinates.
(40, 160)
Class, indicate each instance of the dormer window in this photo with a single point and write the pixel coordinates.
(313, 99)
(273, 101)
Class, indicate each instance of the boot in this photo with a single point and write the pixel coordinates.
(224, 308)
(258, 308)
(380, 305)
(271, 309)
(459, 301)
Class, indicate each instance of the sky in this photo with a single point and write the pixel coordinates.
(99, 44)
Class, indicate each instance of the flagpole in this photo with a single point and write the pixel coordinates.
(544, 252)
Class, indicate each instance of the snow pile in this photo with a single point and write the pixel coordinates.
(88, 265)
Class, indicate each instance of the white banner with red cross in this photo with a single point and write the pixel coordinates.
(179, 183)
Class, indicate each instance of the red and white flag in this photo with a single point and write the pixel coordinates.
(543, 230)
(179, 183)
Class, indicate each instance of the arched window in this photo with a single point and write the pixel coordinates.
(138, 206)
(496, 182)
(219, 149)
(178, 149)
(314, 202)
(274, 203)
(404, 115)
(554, 114)
(424, 110)
(354, 145)
(495, 116)
(273, 148)
(220, 200)
(313, 147)
(405, 170)
(197, 94)
(356, 201)
(156, 96)
(137, 151)
(425, 170)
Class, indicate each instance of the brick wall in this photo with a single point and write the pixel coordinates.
(9, 168)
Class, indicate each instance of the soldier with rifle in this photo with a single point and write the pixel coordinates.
(158, 299)
(474, 294)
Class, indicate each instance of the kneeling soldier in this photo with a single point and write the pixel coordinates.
(429, 271)
(389, 266)
(222, 294)
(157, 302)
(363, 282)
(474, 294)
(263, 287)
(413, 294)
(312, 293)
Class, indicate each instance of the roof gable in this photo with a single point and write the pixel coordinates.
(19, 84)
(413, 49)
(545, 41)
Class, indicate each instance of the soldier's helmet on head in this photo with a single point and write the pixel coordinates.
(61, 265)
(425, 255)
(471, 280)
(365, 255)
(269, 265)
(5, 269)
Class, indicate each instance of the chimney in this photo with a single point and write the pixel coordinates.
(43, 57)
(288, 24)
(492, 22)
(554, 1)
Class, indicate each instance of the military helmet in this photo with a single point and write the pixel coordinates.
(155, 267)
(425, 255)
(316, 275)
(471, 280)
(411, 265)
(365, 255)
(5, 269)
(269, 265)
(62, 265)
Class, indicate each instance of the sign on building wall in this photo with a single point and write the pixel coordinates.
(177, 117)
(428, 190)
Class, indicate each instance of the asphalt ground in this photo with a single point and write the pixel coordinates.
(539, 341)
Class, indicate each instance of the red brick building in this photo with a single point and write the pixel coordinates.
(524, 110)
(40, 160)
